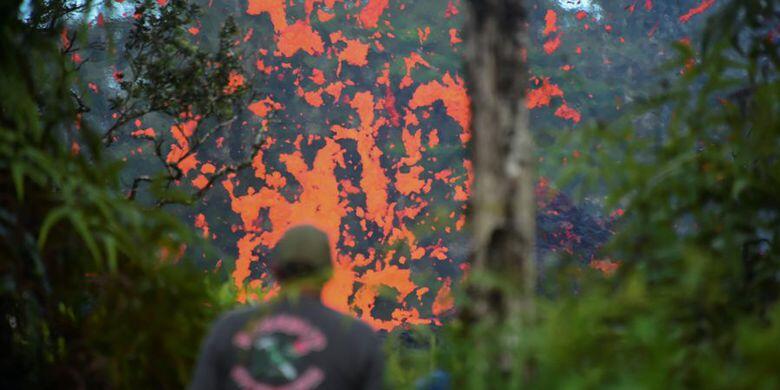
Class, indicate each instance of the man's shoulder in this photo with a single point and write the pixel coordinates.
(235, 319)
(239, 314)
(350, 324)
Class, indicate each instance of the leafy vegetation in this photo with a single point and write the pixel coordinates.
(99, 291)
(95, 290)
(694, 301)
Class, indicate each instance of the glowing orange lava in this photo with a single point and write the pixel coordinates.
(274, 8)
(370, 14)
(300, 36)
(703, 6)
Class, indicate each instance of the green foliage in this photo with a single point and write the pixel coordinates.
(95, 291)
(694, 303)
(165, 38)
(166, 78)
(171, 74)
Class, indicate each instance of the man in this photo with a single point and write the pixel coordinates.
(294, 342)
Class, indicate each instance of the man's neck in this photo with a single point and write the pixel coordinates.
(298, 292)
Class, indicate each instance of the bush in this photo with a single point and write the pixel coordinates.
(97, 291)
(694, 302)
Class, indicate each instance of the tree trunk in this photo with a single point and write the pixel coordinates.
(502, 209)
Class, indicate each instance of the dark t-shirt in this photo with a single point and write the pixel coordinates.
(289, 345)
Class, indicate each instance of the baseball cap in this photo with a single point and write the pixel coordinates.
(302, 250)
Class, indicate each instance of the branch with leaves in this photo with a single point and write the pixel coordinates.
(167, 75)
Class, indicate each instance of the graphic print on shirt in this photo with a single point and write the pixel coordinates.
(271, 354)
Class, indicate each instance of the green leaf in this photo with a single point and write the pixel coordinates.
(77, 219)
(739, 186)
(52, 218)
(111, 252)
(17, 171)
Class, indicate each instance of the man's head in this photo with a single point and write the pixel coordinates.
(302, 255)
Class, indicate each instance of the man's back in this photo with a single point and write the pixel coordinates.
(298, 344)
